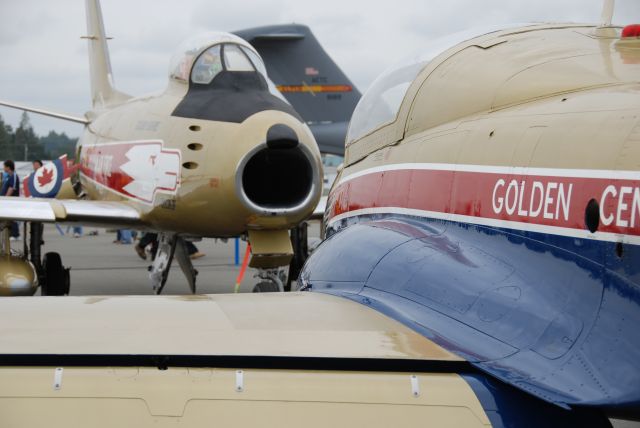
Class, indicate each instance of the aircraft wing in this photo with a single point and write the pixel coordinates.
(294, 325)
(94, 213)
(265, 359)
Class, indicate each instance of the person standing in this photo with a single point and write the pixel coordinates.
(149, 238)
(11, 187)
(193, 251)
(125, 236)
(152, 239)
(37, 164)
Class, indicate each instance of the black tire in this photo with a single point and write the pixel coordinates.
(56, 277)
(299, 242)
(266, 287)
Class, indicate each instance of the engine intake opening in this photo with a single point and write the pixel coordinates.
(278, 177)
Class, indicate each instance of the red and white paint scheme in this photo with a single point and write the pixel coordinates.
(535, 199)
(134, 169)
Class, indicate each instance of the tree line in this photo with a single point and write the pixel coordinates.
(22, 144)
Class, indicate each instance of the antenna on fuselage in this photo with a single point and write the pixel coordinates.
(606, 18)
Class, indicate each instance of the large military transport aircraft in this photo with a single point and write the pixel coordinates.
(220, 153)
(309, 79)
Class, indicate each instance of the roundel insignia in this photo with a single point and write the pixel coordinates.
(47, 180)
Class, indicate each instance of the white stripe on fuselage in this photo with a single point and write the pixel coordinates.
(501, 170)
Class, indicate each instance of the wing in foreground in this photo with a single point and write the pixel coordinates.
(269, 360)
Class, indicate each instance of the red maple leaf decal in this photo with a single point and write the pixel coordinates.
(46, 177)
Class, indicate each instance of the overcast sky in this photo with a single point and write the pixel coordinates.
(44, 62)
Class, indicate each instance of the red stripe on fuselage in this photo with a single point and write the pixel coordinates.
(541, 200)
(101, 163)
(134, 169)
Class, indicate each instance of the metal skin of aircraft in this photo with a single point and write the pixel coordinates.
(220, 153)
(421, 308)
(494, 183)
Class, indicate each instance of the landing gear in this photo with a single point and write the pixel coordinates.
(170, 246)
(56, 277)
(266, 287)
(274, 280)
(159, 269)
(300, 244)
(53, 277)
(279, 279)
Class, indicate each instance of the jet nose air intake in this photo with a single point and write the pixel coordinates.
(278, 176)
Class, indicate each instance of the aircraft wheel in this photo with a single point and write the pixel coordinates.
(299, 242)
(266, 287)
(56, 281)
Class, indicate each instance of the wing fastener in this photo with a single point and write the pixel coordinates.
(239, 381)
(57, 379)
(415, 386)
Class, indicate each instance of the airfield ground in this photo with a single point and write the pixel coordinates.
(98, 266)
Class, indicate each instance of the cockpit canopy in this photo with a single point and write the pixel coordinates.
(199, 60)
(380, 104)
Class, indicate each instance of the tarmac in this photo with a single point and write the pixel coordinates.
(101, 267)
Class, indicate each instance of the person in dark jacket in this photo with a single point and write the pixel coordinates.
(11, 187)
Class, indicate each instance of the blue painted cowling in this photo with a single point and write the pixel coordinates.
(552, 315)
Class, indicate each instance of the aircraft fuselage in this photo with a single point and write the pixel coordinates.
(501, 212)
(182, 173)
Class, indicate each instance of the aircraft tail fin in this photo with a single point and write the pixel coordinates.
(103, 92)
(309, 79)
